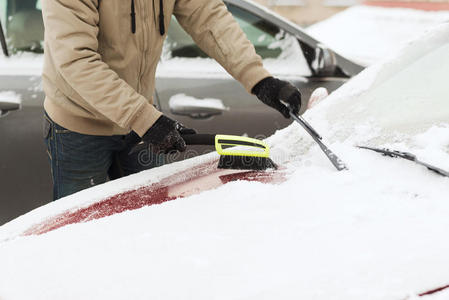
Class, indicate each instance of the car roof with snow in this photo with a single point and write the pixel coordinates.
(374, 231)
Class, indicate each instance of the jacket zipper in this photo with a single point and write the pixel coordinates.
(146, 29)
(161, 18)
(133, 17)
(144, 47)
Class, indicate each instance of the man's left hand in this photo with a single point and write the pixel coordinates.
(163, 137)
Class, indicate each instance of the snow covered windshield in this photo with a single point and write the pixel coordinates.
(406, 94)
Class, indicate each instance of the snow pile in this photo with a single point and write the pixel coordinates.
(22, 64)
(209, 68)
(11, 97)
(181, 100)
(376, 231)
(367, 33)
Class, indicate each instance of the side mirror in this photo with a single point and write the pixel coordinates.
(325, 62)
(6, 107)
(3, 40)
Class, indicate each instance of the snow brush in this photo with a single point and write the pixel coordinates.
(252, 154)
(335, 160)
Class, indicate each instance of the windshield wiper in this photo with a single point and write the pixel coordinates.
(3, 40)
(408, 156)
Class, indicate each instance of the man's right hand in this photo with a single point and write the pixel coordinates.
(272, 91)
(164, 136)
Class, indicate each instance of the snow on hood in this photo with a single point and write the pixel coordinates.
(376, 231)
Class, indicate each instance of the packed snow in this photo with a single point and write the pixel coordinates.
(376, 231)
(10, 96)
(179, 101)
(368, 33)
(22, 64)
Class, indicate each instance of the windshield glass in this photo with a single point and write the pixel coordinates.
(403, 95)
(22, 21)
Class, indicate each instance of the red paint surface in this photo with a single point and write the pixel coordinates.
(434, 291)
(201, 178)
(430, 6)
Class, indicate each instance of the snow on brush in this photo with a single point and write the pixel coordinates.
(376, 231)
(367, 33)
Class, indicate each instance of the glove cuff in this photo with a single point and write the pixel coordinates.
(258, 87)
(160, 129)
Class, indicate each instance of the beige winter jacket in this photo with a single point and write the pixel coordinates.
(99, 76)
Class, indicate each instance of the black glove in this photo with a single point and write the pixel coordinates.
(184, 130)
(272, 91)
(164, 136)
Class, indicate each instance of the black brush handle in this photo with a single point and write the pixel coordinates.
(199, 139)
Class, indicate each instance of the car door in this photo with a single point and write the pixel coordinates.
(196, 91)
(25, 178)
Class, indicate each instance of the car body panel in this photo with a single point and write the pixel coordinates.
(186, 183)
(26, 176)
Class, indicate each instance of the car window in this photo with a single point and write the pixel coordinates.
(3, 11)
(266, 37)
(23, 25)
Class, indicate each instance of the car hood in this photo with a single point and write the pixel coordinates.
(372, 232)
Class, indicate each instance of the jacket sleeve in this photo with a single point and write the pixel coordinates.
(217, 33)
(71, 36)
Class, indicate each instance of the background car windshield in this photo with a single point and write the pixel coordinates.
(266, 37)
(22, 21)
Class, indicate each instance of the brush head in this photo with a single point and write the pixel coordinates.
(239, 162)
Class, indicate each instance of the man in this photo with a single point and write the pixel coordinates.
(99, 75)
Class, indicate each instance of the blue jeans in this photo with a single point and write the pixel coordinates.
(79, 161)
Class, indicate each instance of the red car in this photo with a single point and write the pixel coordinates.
(304, 231)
